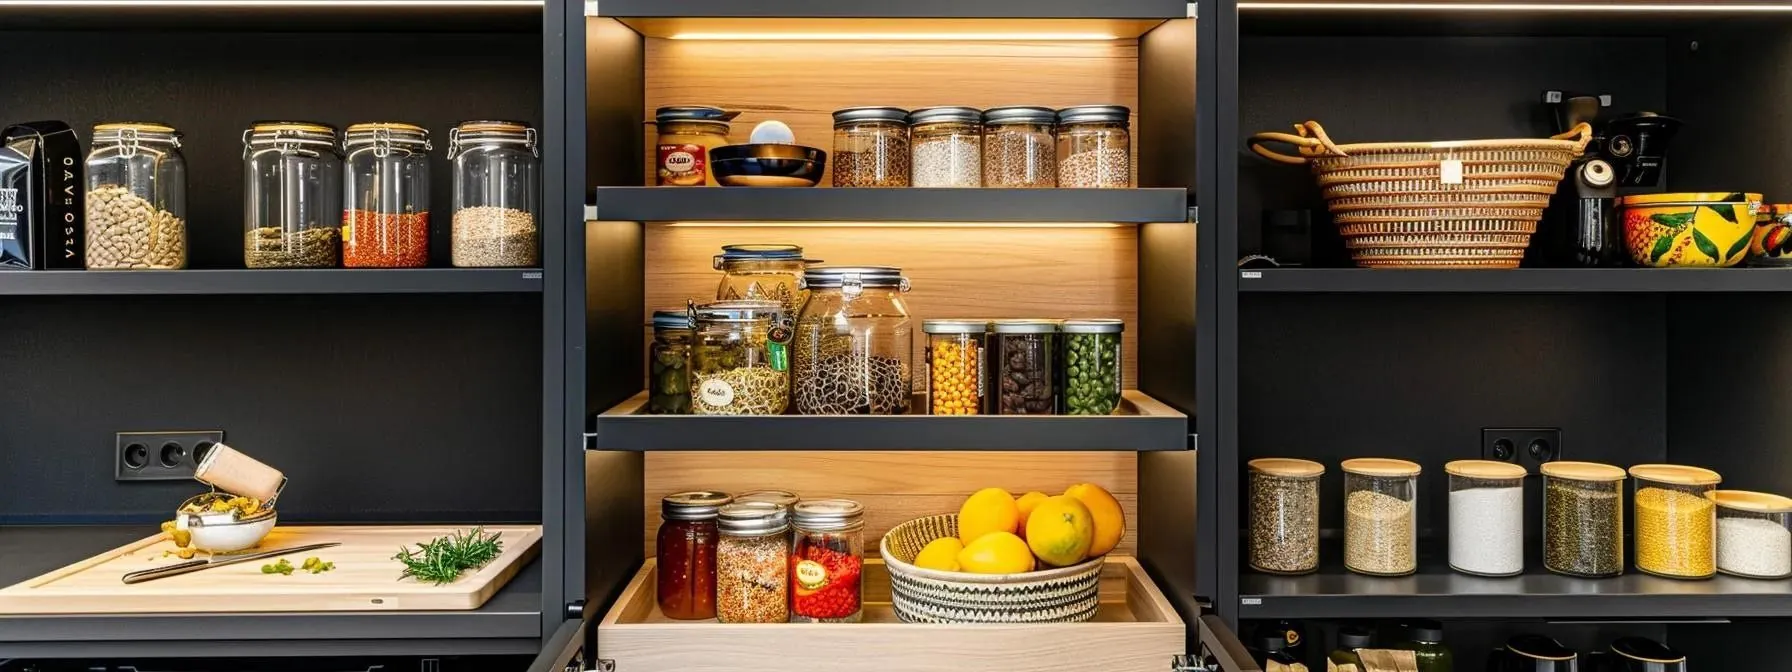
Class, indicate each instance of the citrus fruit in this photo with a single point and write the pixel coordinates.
(1026, 503)
(989, 510)
(1110, 521)
(940, 554)
(1060, 531)
(996, 553)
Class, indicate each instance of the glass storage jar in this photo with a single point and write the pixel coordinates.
(1381, 522)
(853, 343)
(763, 273)
(1091, 366)
(948, 147)
(385, 220)
(1486, 517)
(292, 195)
(1754, 534)
(1284, 512)
(686, 547)
(687, 133)
(1019, 148)
(669, 363)
(956, 371)
(827, 562)
(871, 147)
(1583, 519)
(1095, 147)
(1025, 366)
(1676, 521)
(497, 195)
(136, 198)
(753, 563)
(784, 498)
(740, 360)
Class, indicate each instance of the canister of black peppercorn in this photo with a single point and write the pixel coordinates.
(1025, 366)
(1090, 371)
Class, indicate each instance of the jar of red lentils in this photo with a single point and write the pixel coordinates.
(827, 562)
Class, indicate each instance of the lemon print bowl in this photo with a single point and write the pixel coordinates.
(1693, 230)
(918, 595)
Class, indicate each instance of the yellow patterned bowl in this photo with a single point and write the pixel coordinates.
(1710, 229)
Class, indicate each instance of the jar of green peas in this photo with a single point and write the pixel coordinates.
(1091, 366)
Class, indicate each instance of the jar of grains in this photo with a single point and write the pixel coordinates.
(1091, 366)
(1095, 147)
(1025, 365)
(827, 562)
(1381, 522)
(762, 273)
(1284, 514)
(1583, 519)
(871, 147)
(753, 563)
(686, 543)
(136, 198)
(740, 364)
(1486, 517)
(1019, 150)
(497, 195)
(292, 195)
(669, 363)
(687, 133)
(385, 196)
(1676, 521)
(948, 146)
(956, 372)
(1754, 534)
(853, 343)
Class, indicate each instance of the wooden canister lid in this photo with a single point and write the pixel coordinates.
(229, 470)
(1489, 469)
(1675, 474)
(1380, 466)
(1759, 502)
(1582, 471)
(1287, 466)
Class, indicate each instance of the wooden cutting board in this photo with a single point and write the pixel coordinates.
(365, 577)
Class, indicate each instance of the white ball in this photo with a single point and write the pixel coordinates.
(773, 132)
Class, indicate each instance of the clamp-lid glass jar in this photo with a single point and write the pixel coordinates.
(669, 363)
(871, 147)
(853, 343)
(762, 273)
(497, 195)
(136, 198)
(1026, 367)
(686, 548)
(1754, 534)
(1020, 148)
(1676, 521)
(753, 563)
(1091, 366)
(956, 371)
(740, 363)
(1095, 147)
(1583, 519)
(385, 220)
(292, 195)
(1284, 514)
(687, 133)
(1486, 517)
(948, 146)
(1381, 521)
(827, 562)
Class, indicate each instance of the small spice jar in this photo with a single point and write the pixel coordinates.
(669, 363)
(948, 146)
(686, 562)
(853, 343)
(1025, 367)
(871, 147)
(753, 563)
(740, 359)
(687, 133)
(762, 273)
(385, 196)
(1091, 366)
(292, 195)
(827, 562)
(497, 195)
(1381, 522)
(1284, 514)
(1020, 150)
(1095, 147)
(956, 372)
(1676, 521)
(1754, 534)
(1583, 519)
(136, 198)
(1486, 517)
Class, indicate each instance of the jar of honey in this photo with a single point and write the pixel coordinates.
(686, 134)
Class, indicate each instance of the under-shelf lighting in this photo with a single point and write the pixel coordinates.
(902, 225)
(118, 4)
(900, 37)
(1560, 7)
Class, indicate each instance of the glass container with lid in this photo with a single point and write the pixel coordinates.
(871, 147)
(1676, 521)
(1095, 147)
(1425, 639)
(853, 342)
(669, 363)
(1091, 366)
(1486, 517)
(1583, 519)
(1020, 147)
(1284, 513)
(956, 371)
(687, 133)
(1381, 522)
(740, 360)
(753, 563)
(948, 146)
(827, 562)
(686, 547)
(385, 220)
(1754, 534)
(497, 195)
(1025, 366)
(762, 272)
(292, 195)
(136, 198)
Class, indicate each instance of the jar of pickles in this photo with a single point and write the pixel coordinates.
(1486, 517)
(1095, 147)
(1284, 514)
(948, 146)
(1020, 150)
(1025, 354)
(1583, 519)
(292, 195)
(1754, 534)
(762, 273)
(853, 343)
(827, 562)
(1381, 521)
(740, 360)
(687, 133)
(753, 563)
(956, 372)
(385, 217)
(497, 195)
(669, 363)
(1676, 521)
(136, 198)
(871, 147)
(686, 564)
(1091, 366)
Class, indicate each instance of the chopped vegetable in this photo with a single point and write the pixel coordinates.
(281, 567)
(441, 560)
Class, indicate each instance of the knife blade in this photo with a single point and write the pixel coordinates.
(191, 566)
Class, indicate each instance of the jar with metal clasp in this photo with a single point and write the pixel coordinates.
(292, 195)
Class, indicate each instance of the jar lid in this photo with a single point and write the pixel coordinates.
(371, 126)
(694, 505)
(868, 276)
(294, 127)
(1019, 114)
(394, 132)
(736, 310)
(1286, 466)
(1425, 630)
(1675, 474)
(673, 318)
(1026, 326)
(852, 114)
(138, 126)
(1380, 466)
(481, 132)
(1539, 647)
(945, 113)
(753, 518)
(1352, 638)
(1759, 502)
(760, 252)
(1096, 326)
(779, 497)
(957, 326)
(1490, 469)
(492, 126)
(1646, 650)
(1582, 471)
(692, 113)
(1084, 114)
(829, 515)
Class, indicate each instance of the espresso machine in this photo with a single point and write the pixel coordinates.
(1628, 152)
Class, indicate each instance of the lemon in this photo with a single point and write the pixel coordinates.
(988, 510)
(1026, 503)
(1060, 531)
(996, 553)
(1109, 519)
(940, 554)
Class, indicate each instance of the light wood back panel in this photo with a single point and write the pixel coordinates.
(895, 487)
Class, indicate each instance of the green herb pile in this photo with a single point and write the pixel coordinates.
(441, 560)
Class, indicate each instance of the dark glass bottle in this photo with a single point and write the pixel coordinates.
(1425, 638)
(1349, 640)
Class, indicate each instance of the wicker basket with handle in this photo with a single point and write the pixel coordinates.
(1396, 209)
(1061, 595)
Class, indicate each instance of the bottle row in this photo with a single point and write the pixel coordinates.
(765, 556)
(1418, 645)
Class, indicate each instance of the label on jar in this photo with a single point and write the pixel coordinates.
(811, 575)
(716, 392)
(683, 165)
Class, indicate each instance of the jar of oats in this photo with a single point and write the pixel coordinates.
(136, 198)
(1095, 147)
(948, 147)
(1019, 147)
(1676, 521)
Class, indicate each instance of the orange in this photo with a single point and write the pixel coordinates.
(1110, 521)
(1026, 503)
(988, 510)
(1060, 531)
(996, 553)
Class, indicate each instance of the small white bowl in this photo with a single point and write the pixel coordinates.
(223, 532)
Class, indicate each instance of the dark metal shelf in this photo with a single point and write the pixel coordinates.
(271, 281)
(683, 204)
(1515, 281)
(918, 9)
(316, 15)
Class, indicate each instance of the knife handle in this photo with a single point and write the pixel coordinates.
(175, 569)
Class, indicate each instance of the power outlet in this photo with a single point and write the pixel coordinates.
(1527, 446)
(161, 456)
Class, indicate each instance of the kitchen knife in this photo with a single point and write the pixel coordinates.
(191, 566)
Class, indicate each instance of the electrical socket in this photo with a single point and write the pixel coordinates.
(161, 456)
(1525, 446)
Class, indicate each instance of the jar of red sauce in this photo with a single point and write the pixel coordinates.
(827, 561)
(687, 554)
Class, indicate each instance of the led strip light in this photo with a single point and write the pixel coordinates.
(920, 37)
(1516, 7)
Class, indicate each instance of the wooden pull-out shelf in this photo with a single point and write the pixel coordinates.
(1136, 630)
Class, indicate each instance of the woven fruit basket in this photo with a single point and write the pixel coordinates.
(1456, 204)
(1062, 595)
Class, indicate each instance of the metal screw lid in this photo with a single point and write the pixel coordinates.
(757, 252)
(945, 113)
(1019, 114)
(1086, 114)
(753, 518)
(1024, 327)
(692, 113)
(673, 318)
(738, 310)
(954, 326)
(867, 276)
(829, 515)
(784, 498)
(855, 114)
(1096, 326)
(694, 505)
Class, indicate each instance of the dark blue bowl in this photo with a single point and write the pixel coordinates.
(768, 165)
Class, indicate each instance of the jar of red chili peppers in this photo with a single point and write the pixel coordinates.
(385, 199)
(827, 562)
(687, 554)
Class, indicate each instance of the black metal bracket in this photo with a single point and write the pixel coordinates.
(575, 610)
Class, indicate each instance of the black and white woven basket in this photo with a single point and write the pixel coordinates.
(1061, 595)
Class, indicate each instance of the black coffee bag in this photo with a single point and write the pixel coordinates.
(42, 191)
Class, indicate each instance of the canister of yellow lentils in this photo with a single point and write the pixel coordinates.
(957, 371)
(1676, 521)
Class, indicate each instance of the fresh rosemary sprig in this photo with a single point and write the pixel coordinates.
(441, 560)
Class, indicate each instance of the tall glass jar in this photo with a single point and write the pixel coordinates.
(1381, 522)
(1025, 365)
(948, 147)
(957, 375)
(497, 195)
(1091, 366)
(740, 360)
(762, 273)
(1020, 150)
(827, 562)
(1486, 517)
(687, 133)
(292, 195)
(1676, 521)
(1095, 147)
(1284, 514)
(1754, 534)
(669, 363)
(871, 147)
(686, 548)
(753, 563)
(853, 343)
(136, 198)
(1583, 519)
(385, 196)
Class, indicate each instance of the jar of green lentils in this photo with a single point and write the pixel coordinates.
(669, 365)
(1091, 366)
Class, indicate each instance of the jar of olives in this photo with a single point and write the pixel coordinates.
(1091, 369)
(669, 377)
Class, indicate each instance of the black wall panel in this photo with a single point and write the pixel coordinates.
(1729, 90)
(1728, 392)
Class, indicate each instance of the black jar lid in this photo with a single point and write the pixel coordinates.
(1271, 642)
(694, 505)
(1425, 630)
(1355, 638)
(692, 113)
(868, 276)
(672, 318)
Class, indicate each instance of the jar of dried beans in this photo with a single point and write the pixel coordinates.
(136, 198)
(669, 364)
(1754, 534)
(1091, 366)
(1583, 519)
(686, 543)
(853, 343)
(385, 195)
(1095, 147)
(827, 562)
(740, 359)
(1381, 519)
(497, 195)
(1284, 514)
(1019, 149)
(871, 147)
(948, 147)
(1025, 366)
(292, 196)
(762, 273)
(956, 372)
(753, 563)
(1676, 521)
